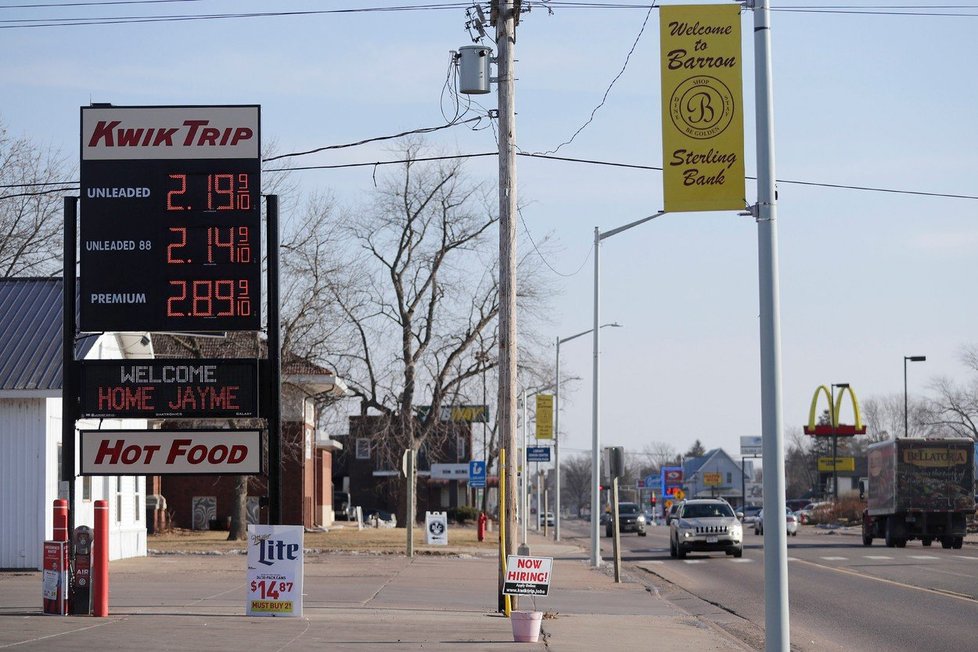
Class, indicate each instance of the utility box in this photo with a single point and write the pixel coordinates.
(473, 69)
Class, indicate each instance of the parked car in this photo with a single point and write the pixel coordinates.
(814, 512)
(547, 518)
(790, 518)
(379, 517)
(343, 506)
(706, 524)
(630, 519)
(794, 504)
(750, 514)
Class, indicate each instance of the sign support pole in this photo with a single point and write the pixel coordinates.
(274, 415)
(69, 326)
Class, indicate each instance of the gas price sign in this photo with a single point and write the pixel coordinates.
(170, 236)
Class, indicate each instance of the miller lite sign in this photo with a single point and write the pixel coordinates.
(275, 570)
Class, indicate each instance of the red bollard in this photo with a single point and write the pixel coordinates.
(100, 560)
(482, 526)
(60, 519)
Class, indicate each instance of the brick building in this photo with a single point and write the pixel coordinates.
(206, 502)
(369, 466)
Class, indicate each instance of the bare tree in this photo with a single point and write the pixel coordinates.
(31, 220)
(955, 410)
(575, 487)
(414, 293)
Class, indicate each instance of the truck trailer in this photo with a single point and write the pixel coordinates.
(919, 489)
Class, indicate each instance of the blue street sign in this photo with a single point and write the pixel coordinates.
(477, 474)
(537, 453)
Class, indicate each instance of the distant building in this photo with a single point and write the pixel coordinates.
(717, 475)
(369, 466)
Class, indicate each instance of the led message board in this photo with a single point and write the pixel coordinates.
(198, 389)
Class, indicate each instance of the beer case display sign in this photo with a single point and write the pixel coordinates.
(164, 452)
(528, 575)
(275, 570)
(170, 219)
(177, 388)
(702, 108)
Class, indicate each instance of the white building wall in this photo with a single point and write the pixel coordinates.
(25, 519)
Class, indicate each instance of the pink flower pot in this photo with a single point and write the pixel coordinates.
(526, 625)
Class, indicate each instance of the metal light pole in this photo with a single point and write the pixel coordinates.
(557, 421)
(835, 438)
(595, 430)
(776, 619)
(911, 358)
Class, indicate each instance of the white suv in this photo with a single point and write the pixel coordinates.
(707, 524)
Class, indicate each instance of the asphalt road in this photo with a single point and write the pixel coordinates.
(842, 595)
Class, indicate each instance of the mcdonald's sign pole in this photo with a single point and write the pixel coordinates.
(775, 526)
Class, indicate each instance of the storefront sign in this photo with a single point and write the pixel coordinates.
(159, 452)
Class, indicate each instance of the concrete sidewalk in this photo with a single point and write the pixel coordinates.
(354, 601)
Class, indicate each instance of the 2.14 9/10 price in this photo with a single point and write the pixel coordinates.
(270, 589)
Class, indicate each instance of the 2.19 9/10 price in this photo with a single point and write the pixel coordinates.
(270, 589)
(209, 298)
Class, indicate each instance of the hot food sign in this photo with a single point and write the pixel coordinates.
(157, 452)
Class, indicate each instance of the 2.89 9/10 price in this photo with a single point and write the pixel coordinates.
(270, 589)
(209, 298)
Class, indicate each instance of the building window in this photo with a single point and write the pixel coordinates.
(363, 448)
(729, 477)
(460, 454)
(118, 499)
(137, 500)
(87, 487)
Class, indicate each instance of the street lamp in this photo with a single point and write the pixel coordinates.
(595, 430)
(560, 341)
(911, 358)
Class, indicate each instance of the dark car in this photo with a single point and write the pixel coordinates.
(671, 514)
(630, 519)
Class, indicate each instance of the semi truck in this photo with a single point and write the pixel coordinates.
(919, 489)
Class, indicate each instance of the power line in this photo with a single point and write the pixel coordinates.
(604, 98)
(566, 159)
(423, 130)
(119, 20)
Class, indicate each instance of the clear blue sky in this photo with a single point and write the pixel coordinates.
(862, 99)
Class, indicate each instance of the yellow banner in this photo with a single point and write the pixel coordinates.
(702, 108)
(545, 416)
(712, 479)
(841, 464)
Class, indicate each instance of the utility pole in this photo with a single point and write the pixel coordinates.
(504, 16)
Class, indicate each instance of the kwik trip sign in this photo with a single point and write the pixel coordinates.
(702, 108)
